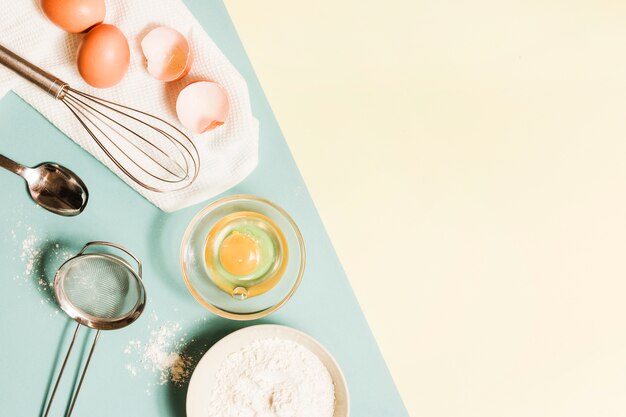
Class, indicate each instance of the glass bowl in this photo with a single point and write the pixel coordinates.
(196, 272)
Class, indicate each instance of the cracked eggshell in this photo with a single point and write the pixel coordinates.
(167, 53)
(202, 106)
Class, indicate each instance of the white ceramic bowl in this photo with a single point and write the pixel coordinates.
(203, 378)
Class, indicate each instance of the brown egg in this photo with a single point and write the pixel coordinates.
(103, 56)
(74, 15)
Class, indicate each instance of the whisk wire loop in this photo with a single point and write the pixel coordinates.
(79, 111)
(153, 153)
(82, 108)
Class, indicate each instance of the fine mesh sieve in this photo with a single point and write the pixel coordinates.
(100, 291)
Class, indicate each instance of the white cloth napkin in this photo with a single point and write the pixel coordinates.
(227, 154)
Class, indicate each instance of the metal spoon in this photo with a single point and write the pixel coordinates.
(52, 186)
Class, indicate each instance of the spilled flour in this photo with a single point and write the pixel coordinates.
(272, 378)
(40, 257)
(30, 251)
(163, 354)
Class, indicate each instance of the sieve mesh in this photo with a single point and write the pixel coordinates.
(100, 286)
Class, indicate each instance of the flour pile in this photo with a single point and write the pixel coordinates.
(162, 354)
(272, 378)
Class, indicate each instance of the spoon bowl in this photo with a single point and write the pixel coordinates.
(52, 186)
(56, 189)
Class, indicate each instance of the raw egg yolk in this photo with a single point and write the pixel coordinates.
(239, 254)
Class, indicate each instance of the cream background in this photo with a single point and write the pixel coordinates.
(467, 158)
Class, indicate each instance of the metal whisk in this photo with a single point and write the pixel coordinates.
(150, 151)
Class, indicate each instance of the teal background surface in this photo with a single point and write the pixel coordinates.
(34, 334)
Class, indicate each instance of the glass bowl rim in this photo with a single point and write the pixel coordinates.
(214, 309)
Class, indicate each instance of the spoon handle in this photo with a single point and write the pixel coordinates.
(11, 165)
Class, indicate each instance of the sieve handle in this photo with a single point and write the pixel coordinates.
(116, 246)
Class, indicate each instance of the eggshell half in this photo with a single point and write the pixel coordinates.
(74, 16)
(167, 53)
(103, 56)
(202, 106)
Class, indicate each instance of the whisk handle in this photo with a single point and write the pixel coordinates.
(44, 80)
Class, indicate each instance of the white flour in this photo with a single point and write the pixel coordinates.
(34, 249)
(272, 378)
(32, 253)
(30, 250)
(162, 354)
